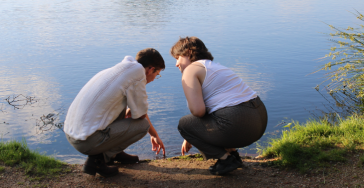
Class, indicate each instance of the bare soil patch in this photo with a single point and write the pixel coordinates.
(175, 172)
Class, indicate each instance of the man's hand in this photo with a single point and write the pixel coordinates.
(157, 144)
(128, 113)
(185, 147)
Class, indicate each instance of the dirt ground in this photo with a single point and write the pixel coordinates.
(175, 172)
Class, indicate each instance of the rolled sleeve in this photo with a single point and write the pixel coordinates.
(136, 97)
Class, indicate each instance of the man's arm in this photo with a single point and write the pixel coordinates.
(157, 143)
(137, 102)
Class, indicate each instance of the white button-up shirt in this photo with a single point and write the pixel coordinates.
(105, 96)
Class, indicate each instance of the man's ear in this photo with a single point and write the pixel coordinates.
(149, 70)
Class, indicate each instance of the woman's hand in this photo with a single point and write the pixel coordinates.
(185, 147)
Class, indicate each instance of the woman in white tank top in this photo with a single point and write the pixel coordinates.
(225, 112)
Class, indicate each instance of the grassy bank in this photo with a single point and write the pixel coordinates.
(305, 147)
(317, 143)
(17, 154)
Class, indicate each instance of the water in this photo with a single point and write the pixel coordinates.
(50, 49)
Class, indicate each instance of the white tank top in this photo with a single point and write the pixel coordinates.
(222, 87)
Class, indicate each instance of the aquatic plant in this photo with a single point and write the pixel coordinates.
(347, 60)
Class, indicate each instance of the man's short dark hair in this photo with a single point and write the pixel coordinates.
(150, 57)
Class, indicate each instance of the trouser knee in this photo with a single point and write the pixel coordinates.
(183, 123)
(145, 125)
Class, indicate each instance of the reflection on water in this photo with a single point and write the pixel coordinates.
(145, 13)
(339, 105)
(260, 82)
(50, 49)
(26, 98)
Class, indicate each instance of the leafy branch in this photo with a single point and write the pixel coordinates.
(347, 58)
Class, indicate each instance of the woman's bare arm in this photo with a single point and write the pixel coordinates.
(192, 80)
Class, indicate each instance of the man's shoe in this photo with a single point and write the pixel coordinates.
(124, 158)
(224, 166)
(95, 165)
(237, 156)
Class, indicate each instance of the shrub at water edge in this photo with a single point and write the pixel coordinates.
(347, 59)
(317, 143)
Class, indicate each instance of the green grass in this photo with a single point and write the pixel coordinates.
(17, 153)
(2, 169)
(196, 156)
(317, 143)
(361, 160)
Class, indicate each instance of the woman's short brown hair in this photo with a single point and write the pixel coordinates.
(191, 47)
(150, 57)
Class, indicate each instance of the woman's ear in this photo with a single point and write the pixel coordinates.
(189, 54)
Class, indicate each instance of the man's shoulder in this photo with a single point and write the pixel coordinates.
(131, 69)
(129, 59)
(130, 62)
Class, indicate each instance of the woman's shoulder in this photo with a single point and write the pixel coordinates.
(195, 70)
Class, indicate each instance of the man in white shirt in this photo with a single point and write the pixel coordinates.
(98, 122)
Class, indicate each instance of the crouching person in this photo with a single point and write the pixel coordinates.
(110, 113)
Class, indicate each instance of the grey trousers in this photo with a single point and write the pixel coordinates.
(114, 139)
(230, 127)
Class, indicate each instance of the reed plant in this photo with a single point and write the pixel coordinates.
(346, 66)
(317, 143)
(17, 153)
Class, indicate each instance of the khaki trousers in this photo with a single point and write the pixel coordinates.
(114, 139)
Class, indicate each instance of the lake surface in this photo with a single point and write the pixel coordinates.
(50, 49)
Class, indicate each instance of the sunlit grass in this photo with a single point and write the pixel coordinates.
(17, 153)
(317, 143)
(361, 160)
(196, 156)
(2, 169)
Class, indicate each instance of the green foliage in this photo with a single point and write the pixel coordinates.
(17, 153)
(196, 156)
(348, 60)
(361, 160)
(2, 169)
(185, 157)
(317, 143)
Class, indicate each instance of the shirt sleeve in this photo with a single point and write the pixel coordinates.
(136, 97)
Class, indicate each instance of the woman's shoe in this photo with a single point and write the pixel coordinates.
(214, 166)
(237, 156)
(224, 166)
